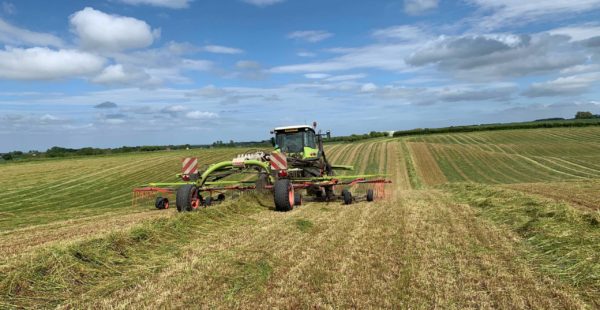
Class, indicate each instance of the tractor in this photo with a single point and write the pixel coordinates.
(297, 162)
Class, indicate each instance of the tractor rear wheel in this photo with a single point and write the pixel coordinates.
(370, 195)
(347, 196)
(187, 198)
(283, 193)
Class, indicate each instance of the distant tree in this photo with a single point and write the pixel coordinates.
(7, 156)
(584, 115)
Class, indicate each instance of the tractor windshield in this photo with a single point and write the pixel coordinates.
(294, 142)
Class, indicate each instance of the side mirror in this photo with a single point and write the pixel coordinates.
(273, 141)
(328, 134)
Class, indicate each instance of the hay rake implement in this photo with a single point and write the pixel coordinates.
(297, 164)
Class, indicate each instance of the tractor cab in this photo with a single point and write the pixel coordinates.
(297, 141)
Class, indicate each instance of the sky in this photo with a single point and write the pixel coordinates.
(108, 73)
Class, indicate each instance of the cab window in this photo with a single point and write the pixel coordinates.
(309, 139)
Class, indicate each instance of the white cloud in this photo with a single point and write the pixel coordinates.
(49, 118)
(515, 12)
(569, 85)
(389, 57)
(263, 3)
(172, 4)
(346, 77)
(368, 88)
(579, 32)
(14, 35)
(415, 7)
(306, 54)
(317, 76)
(200, 115)
(41, 63)
(99, 31)
(402, 32)
(118, 75)
(218, 49)
(175, 109)
(311, 36)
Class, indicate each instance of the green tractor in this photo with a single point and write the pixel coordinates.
(298, 163)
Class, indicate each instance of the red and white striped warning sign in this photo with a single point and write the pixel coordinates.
(189, 165)
(278, 161)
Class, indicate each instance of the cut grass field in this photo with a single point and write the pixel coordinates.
(504, 219)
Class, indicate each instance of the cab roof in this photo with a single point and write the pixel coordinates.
(294, 127)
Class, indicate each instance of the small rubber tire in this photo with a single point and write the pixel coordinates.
(370, 195)
(187, 198)
(221, 197)
(283, 194)
(208, 201)
(161, 203)
(347, 196)
(297, 199)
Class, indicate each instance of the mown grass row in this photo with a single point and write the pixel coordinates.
(115, 261)
(562, 242)
(517, 156)
(101, 185)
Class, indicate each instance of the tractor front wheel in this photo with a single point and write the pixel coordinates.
(187, 198)
(283, 193)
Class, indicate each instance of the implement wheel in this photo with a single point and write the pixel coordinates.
(187, 198)
(161, 203)
(347, 196)
(370, 195)
(297, 199)
(283, 193)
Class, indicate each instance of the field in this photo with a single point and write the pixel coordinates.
(504, 219)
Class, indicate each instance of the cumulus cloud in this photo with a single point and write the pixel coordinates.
(103, 32)
(171, 4)
(563, 86)
(218, 49)
(106, 105)
(18, 36)
(311, 36)
(416, 7)
(119, 75)
(263, 3)
(41, 63)
(499, 55)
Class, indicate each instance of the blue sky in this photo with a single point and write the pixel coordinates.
(108, 73)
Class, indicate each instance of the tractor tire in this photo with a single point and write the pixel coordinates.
(297, 199)
(347, 196)
(187, 198)
(283, 193)
(370, 195)
(161, 203)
